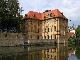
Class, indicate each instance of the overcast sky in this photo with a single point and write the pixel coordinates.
(70, 8)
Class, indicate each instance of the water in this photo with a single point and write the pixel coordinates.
(36, 53)
(74, 54)
(72, 57)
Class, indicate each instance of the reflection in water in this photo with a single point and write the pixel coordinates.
(78, 52)
(72, 57)
(74, 53)
(34, 53)
(71, 54)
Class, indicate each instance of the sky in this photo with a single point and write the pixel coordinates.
(70, 8)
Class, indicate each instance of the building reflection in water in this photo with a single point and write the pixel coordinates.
(35, 53)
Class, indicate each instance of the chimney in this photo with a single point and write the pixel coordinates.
(47, 10)
(25, 14)
(62, 13)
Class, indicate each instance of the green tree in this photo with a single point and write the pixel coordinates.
(78, 32)
(72, 41)
(78, 52)
(9, 14)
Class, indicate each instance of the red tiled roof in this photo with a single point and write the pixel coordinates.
(70, 33)
(31, 14)
(56, 12)
(40, 16)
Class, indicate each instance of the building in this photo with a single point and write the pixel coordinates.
(51, 24)
(71, 31)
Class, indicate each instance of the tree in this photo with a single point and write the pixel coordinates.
(78, 32)
(78, 52)
(9, 14)
(72, 41)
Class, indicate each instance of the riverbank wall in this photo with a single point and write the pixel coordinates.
(20, 39)
(11, 39)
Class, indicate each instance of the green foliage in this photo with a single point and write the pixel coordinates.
(72, 41)
(9, 13)
(78, 32)
(78, 37)
(78, 52)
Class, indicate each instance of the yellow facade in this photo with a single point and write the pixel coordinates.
(50, 28)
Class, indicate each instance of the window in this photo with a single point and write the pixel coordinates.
(51, 36)
(31, 23)
(31, 37)
(54, 28)
(51, 15)
(38, 23)
(45, 37)
(51, 29)
(63, 21)
(65, 28)
(48, 29)
(35, 29)
(45, 29)
(34, 15)
(38, 30)
(37, 37)
(44, 22)
(48, 14)
(51, 57)
(48, 36)
(44, 16)
(55, 36)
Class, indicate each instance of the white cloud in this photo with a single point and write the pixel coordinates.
(35, 5)
(70, 8)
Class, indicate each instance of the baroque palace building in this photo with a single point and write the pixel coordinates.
(51, 24)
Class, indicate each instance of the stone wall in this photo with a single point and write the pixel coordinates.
(11, 39)
(41, 41)
(18, 39)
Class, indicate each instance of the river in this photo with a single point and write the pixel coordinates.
(59, 52)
